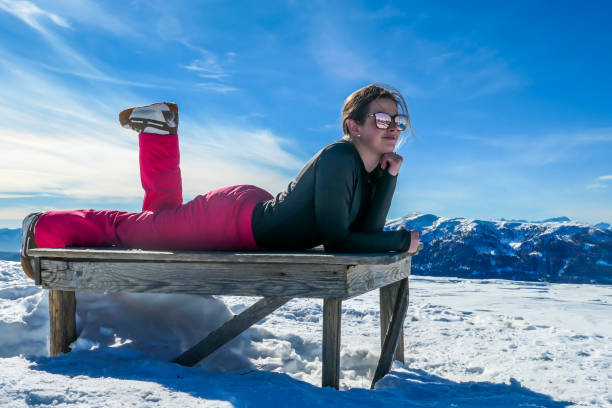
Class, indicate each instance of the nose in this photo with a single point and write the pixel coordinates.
(393, 127)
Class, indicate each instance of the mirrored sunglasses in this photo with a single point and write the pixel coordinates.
(383, 120)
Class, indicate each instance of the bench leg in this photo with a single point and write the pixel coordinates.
(388, 296)
(230, 329)
(332, 310)
(392, 337)
(62, 321)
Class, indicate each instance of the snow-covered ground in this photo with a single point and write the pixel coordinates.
(469, 343)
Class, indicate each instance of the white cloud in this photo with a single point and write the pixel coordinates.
(215, 87)
(351, 51)
(16, 195)
(208, 66)
(66, 143)
(70, 59)
(103, 162)
(90, 14)
(31, 14)
(536, 149)
(598, 185)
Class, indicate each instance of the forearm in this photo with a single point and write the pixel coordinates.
(374, 220)
(382, 241)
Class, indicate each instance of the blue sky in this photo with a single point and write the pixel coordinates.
(510, 101)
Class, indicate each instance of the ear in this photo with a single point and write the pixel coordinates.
(353, 127)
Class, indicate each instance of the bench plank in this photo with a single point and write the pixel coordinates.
(310, 256)
(364, 278)
(240, 279)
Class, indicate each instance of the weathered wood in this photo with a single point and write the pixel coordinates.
(312, 273)
(364, 278)
(310, 256)
(230, 329)
(388, 296)
(35, 262)
(240, 279)
(332, 311)
(392, 337)
(62, 321)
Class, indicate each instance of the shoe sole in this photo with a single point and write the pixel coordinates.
(27, 238)
(124, 115)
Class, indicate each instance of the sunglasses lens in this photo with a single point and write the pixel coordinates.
(401, 121)
(382, 120)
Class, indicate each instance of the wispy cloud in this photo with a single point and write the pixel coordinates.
(428, 67)
(209, 66)
(67, 59)
(477, 72)
(71, 60)
(215, 87)
(600, 183)
(65, 142)
(32, 15)
(334, 48)
(539, 149)
(91, 14)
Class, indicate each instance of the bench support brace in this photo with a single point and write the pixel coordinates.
(230, 329)
(393, 334)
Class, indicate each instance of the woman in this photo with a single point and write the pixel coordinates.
(339, 199)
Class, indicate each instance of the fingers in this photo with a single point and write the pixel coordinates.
(414, 241)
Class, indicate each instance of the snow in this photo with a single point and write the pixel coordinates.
(470, 343)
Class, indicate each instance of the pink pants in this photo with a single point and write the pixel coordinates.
(217, 220)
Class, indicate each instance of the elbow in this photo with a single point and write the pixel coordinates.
(335, 246)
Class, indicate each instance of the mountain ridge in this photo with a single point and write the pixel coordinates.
(556, 250)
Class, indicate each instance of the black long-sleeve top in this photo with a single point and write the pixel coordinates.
(333, 201)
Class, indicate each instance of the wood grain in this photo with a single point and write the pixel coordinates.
(332, 312)
(229, 330)
(392, 337)
(364, 278)
(241, 279)
(310, 256)
(62, 321)
(388, 298)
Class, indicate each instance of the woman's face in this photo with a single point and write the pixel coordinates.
(377, 140)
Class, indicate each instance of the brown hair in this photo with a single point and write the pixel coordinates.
(356, 105)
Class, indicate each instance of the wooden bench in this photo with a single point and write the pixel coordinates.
(277, 276)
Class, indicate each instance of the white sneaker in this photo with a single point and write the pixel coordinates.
(161, 118)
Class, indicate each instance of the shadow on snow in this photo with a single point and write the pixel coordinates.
(246, 388)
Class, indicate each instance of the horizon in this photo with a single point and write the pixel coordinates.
(508, 101)
(560, 219)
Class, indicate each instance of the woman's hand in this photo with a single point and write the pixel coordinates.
(391, 162)
(414, 239)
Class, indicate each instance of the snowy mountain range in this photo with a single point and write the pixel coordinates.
(554, 250)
